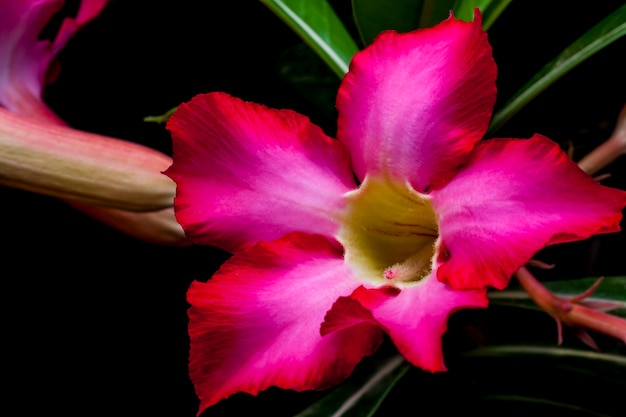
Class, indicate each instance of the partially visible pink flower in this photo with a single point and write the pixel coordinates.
(104, 177)
(25, 58)
(404, 219)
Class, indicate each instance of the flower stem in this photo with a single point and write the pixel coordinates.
(569, 311)
(608, 151)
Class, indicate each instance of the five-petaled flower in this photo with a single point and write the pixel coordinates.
(405, 218)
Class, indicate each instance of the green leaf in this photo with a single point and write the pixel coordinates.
(350, 400)
(319, 27)
(434, 11)
(160, 118)
(301, 68)
(602, 34)
(493, 11)
(464, 9)
(610, 366)
(527, 379)
(544, 406)
(611, 290)
(375, 16)
(490, 10)
(616, 363)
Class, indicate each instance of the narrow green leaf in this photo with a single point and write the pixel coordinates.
(612, 361)
(611, 290)
(545, 406)
(318, 25)
(602, 34)
(493, 11)
(375, 16)
(546, 375)
(611, 367)
(301, 68)
(464, 9)
(434, 11)
(363, 401)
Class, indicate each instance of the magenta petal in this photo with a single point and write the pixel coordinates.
(246, 173)
(416, 317)
(25, 58)
(513, 198)
(345, 313)
(87, 11)
(413, 105)
(256, 323)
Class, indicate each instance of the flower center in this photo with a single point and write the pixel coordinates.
(388, 232)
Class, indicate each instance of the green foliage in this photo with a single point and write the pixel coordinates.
(520, 379)
(373, 17)
(602, 34)
(363, 397)
(464, 9)
(319, 27)
(492, 11)
(307, 74)
(434, 11)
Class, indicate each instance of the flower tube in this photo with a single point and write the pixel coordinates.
(109, 179)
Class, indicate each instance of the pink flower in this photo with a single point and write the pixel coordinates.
(26, 59)
(107, 178)
(323, 265)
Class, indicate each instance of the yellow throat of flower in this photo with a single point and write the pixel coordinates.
(388, 232)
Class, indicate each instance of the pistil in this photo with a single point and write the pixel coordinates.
(413, 268)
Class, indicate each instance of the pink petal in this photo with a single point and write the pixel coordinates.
(87, 11)
(256, 323)
(247, 173)
(25, 58)
(413, 105)
(345, 313)
(513, 198)
(415, 318)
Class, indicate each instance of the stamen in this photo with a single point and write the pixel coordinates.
(403, 272)
(413, 268)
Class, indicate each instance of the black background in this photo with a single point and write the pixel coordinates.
(94, 321)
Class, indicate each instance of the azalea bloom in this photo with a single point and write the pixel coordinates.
(403, 219)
